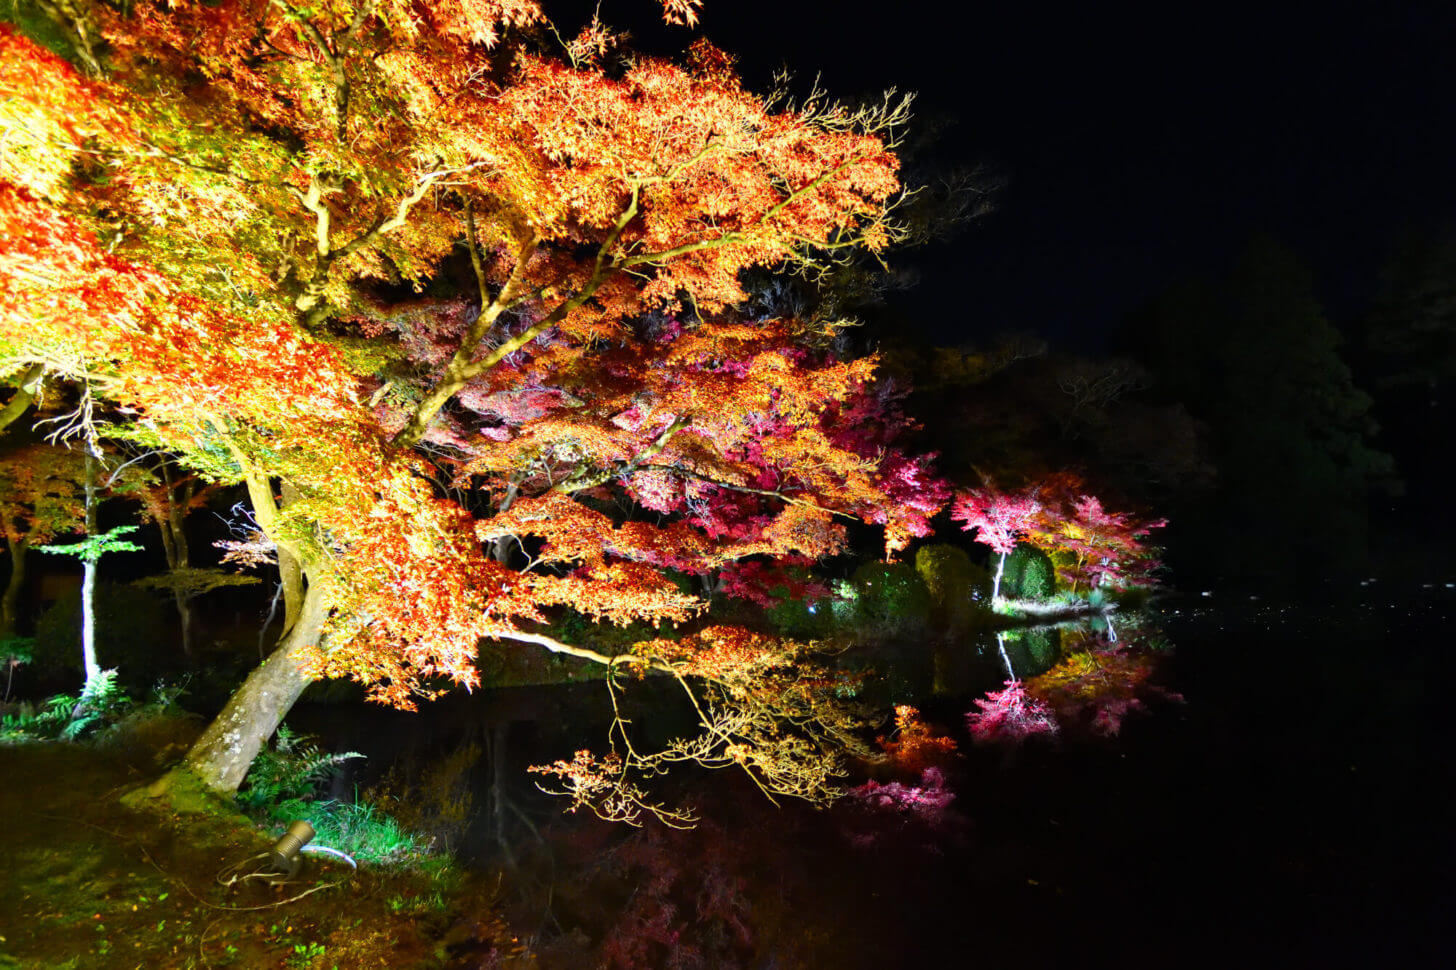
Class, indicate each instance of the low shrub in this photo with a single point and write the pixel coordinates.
(890, 600)
(1029, 575)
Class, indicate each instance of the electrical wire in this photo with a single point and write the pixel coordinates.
(325, 850)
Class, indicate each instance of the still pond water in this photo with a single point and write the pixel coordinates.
(1280, 796)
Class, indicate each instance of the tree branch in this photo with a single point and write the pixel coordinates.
(30, 383)
(460, 370)
(577, 484)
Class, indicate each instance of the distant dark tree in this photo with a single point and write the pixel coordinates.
(1255, 358)
(1408, 342)
(1012, 412)
(40, 498)
(1410, 333)
(167, 497)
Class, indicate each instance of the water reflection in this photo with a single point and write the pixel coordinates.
(759, 885)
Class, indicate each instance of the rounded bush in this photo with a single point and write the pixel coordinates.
(1029, 575)
(133, 634)
(891, 599)
(957, 587)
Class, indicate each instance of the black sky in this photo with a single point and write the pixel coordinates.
(1140, 142)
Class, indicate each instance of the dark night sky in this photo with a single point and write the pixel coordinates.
(1140, 142)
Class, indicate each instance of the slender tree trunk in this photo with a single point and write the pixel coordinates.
(500, 549)
(10, 602)
(222, 755)
(1001, 645)
(996, 583)
(88, 582)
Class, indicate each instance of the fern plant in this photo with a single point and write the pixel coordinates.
(101, 701)
(291, 769)
(69, 716)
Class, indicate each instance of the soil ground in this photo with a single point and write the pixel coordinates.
(93, 884)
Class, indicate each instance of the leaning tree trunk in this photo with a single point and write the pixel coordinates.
(10, 601)
(222, 755)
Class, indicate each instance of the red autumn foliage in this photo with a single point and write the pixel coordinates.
(916, 745)
(1010, 716)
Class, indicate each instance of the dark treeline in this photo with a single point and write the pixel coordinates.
(1287, 447)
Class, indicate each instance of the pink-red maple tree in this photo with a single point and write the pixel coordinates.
(1000, 519)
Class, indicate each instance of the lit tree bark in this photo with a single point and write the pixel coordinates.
(23, 397)
(221, 756)
(88, 582)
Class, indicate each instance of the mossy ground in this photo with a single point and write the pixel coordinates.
(92, 883)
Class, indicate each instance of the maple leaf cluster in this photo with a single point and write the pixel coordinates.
(922, 812)
(40, 494)
(916, 745)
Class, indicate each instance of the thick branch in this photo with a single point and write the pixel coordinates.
(767, 492)
(461, 370)
(586, 653)
(25, 394)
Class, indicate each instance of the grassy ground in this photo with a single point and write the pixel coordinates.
(90, 883)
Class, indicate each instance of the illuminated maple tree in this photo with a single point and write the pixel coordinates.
(40, 498)
(1009, 716)
(269, 180)
(1000, 519)
(1090, 546)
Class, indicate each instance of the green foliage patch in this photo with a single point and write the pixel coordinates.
(1029, 575)
(292, 768)
(959, 590)
(890, 600)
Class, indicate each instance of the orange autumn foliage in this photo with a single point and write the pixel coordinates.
(216, 235)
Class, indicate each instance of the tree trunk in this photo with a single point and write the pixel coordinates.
(10, 602)
(1001, 645)
(88, 623)
(88, 582)
(174, 546)
(996, 584)
(500, 549)
(290, 568)
(222, 755)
